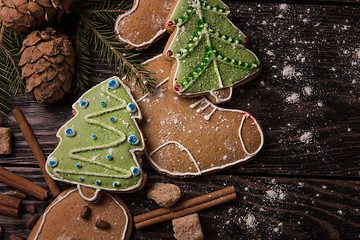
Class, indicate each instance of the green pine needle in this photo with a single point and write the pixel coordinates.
(10, 74)
(94, 31)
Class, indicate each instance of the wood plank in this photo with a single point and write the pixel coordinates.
(266, 208)
(305, 182)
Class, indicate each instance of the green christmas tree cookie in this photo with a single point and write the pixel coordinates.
(99, 146)
(209, 50)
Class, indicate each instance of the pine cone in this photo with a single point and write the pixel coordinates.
(47, 61)
(24, 15)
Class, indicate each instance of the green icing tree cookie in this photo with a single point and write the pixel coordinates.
(98, 145)
(208, 48)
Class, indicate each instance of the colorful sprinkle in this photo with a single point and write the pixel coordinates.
(113, 120)
(113, 84)
(52, 162)
(170, 23)
(70, 132)
(135, 170)
(177, 87)
(84, 103)
(93, 137)
(131, 107)
(103, 104)
(169, 53)
(81, 179)
(116, 184)
(98, 182)
(133, 139)
(78, 165)
(109, 157)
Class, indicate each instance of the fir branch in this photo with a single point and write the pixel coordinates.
(10, 75)
(82, 59)
(114, 52)
(105, 13)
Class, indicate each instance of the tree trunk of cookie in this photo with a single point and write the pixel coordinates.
(90, 194)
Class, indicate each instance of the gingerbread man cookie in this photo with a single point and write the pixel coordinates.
(100, 146)
(69, 216)
(143, 24)
(207, 50)
(191, 136)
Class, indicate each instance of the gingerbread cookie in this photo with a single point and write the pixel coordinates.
(191, 136)
(207, 50)
(69, 216)
(99, 147)
(143, 24)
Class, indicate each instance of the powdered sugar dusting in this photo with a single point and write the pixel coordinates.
(307, 90)
(288, 72)
(306, 137)
(357, 53)
(293, 98)
(250, 220)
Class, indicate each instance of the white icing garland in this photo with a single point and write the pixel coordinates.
(139, 116)
(122, 138)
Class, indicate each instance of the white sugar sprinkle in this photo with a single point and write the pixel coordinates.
(307, 90)
(293, 98)
(250, 220)
(306, 137)
(288, 72)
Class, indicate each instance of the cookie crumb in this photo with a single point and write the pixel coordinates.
(188, 228)
(164, 194)
(5, 140)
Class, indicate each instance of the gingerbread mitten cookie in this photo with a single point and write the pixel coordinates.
(144, 23)
(69, 216)
(192, 136)
(207, 50)
(99, 147)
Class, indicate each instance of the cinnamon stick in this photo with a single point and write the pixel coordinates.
(36, 149)
(8, 201)
(8, 211)
(185, 208)
(22, 184)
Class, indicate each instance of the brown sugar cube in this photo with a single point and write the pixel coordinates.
(188, 228)
(5, 141)
(165, 194)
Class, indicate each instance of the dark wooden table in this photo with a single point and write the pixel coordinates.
(305, 182)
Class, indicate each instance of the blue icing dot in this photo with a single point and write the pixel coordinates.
(131, 107)
(84, 103)
(135, 170)
(113, 84)
(94, 137)
(133, 139)
(70, 132)
(81, 179)
(109, 157)
(113, 120)
(98, 182)
(52, 161)
(103, 104)
(116, 184)
(78, 165)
